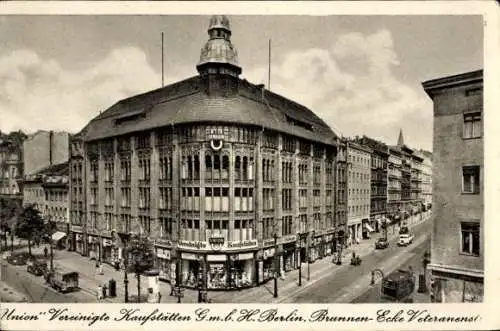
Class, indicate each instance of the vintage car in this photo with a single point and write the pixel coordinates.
(18, 258)
(398, 286)
(405, 239)
(62, 280)
(381, 243)
(37, 267)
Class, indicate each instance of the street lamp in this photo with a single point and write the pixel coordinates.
(51, 229)
(301, 237)
(339, 253)
(275, 265)
(311, 237)
(200, 277)
(385, 227)
(125, 264)
(178, 276)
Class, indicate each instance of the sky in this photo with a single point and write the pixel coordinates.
(360, 74)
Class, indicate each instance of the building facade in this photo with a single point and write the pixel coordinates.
(457, 256)
(11, 165)
(56, 208)
(379, 181)
(47, 191)
(43, 149)
(394, 176)
(342, 187)
(358, 191)
(426, 178)
(225, 176)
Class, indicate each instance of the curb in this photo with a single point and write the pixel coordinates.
(306, 285)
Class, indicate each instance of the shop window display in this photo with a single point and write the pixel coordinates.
(242, 273)
(216, 276)
(190, 271)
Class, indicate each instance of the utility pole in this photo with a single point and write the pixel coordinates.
(125, 263)
(300, 263)
(162, 63)
(51, 244)
(269, 68)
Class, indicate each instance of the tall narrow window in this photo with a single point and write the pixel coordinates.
(225, 168)
(217, 167)
(237, 168)
(208, 166)
(208, 199)
(470, 182)
(469, 233)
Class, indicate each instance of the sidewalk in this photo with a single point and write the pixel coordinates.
(90, 279)
(318, 270)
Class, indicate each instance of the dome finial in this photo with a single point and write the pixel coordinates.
(219, 22)
(218, 51)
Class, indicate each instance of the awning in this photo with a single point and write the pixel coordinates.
(58, 235)
(368, 227)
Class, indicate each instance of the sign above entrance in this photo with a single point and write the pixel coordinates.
(218, 243)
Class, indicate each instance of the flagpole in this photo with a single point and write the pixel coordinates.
(162, 63)
(269, 68)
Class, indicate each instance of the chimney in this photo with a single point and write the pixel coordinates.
(262, 89)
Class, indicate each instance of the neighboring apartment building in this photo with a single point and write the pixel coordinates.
(47, 191)
(341, 186)
(426, 194)
(358, 191)
(379, 181)
(43, 149)
(457, 254)
(56, 209)
(394, 175)
(211, 168)
(11, 165)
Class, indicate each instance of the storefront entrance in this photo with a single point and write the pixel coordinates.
(223, 271)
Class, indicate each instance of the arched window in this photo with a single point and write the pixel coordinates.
(237, 168)
(245, 168)
(189, 167)
(217, 167)
(225, 167)
(250, 169)
(208, 166)
(271, 176)
(196, 171)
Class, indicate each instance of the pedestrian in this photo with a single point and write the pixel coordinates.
(101, 269)
(45, 252)
(99, 292)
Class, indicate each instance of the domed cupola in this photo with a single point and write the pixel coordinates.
(219, 56)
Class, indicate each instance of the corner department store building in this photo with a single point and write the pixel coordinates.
(210, 168)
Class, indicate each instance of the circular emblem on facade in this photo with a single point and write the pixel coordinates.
(216, 144)
(216, 242)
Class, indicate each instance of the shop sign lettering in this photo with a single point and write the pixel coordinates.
(192, 244)
(216, 241)
(242, 244)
